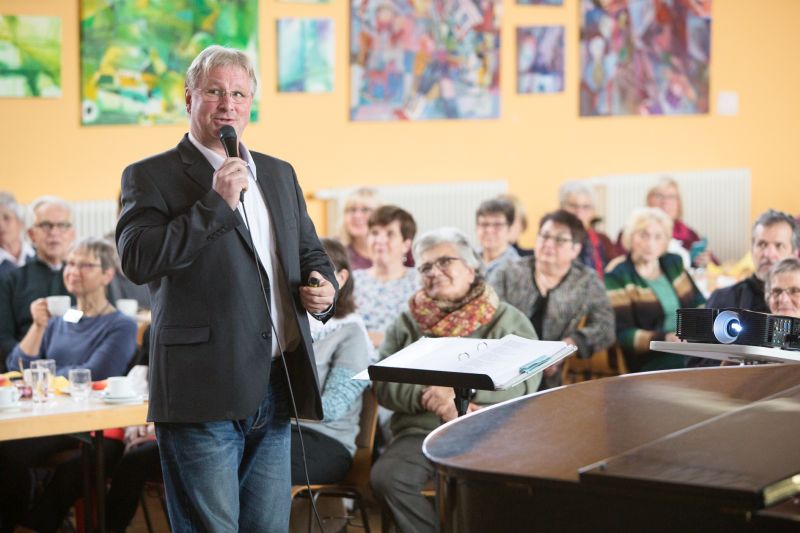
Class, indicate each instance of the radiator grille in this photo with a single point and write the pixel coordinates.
(716, 204)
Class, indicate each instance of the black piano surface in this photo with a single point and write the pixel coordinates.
(711, 449)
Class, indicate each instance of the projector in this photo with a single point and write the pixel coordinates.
(738, 326)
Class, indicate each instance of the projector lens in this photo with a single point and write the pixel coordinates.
(727, 327)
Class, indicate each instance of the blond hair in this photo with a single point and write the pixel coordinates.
(639, 218)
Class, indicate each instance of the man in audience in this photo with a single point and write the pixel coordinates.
(493, 220)
(51, 234)
(14, 251)
(775, 236)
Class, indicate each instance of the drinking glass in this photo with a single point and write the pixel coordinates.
(80, 384)
(50, 365)
(40, 383)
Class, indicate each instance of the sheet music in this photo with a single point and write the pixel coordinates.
(500, 359)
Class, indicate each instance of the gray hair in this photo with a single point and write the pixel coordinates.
(574, 187)
(218, 56)
(641, 216)
(770, 217)
(448, 235)
(49, 200)
(785, 265)
(101, 248)
(7, 201)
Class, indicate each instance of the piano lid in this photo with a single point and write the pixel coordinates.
(749, 458)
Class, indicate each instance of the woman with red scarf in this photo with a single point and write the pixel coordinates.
(454, 301)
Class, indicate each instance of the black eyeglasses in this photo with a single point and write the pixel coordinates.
(441, 264)
(215, 95)
(47, 227)
(791, 292)
(557, 239)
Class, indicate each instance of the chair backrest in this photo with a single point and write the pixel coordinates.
(601, 364)
(362, 460)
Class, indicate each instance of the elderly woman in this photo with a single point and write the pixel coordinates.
(358, 206)
(341, 349)
(382, 290)
(14, 251)
(646, 288)
(578, 199)
(94, 335)
(454, 302)
(563, 299)
(782, 288)
(667, 196)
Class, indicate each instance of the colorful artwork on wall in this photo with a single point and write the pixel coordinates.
(134, 54)
(645, 57)
(30, 56)
(424, 60)
(540, 59)
(305, 55)
(541, 2)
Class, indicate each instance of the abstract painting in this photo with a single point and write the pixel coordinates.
(424, 60)
(134, 54)
(645, 57)
(540, 59)
(305, 55)
(541, 2)
(30, 56)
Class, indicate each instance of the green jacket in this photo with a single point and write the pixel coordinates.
(404, 399)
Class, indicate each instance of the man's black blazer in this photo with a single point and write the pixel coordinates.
(210, 336)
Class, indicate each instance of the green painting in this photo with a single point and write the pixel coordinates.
(30, 56)
(134, 54)
(305, 55)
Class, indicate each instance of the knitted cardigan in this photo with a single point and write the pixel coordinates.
(638, 312)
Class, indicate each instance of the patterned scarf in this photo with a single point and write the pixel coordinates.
(443, 318)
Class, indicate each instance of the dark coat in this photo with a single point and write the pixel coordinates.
(210, 336)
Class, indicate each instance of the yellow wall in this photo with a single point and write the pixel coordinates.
(538, 142)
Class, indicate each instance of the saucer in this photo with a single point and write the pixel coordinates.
(10, 408)
(118, 400)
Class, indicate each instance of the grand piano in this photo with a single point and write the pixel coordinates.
(713, 449)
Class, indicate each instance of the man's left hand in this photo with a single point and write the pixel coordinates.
(317, 299)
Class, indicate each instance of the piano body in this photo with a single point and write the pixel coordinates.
(713, 449)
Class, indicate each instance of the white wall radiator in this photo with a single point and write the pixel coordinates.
(716, 204)
(432, 205)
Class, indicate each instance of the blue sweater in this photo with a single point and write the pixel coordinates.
(104, 344)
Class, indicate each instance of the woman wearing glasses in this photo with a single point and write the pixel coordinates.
(93, 334)
(454, 301)
(564, 299)
(358, 206)
(646, 288)
(782, 288)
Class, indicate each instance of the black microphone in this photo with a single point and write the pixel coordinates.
(227, 136)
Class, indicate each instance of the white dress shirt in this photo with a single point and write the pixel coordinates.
(263, 235)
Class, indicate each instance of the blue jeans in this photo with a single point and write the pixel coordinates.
(230, 475)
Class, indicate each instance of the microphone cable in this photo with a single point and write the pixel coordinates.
(285, 370)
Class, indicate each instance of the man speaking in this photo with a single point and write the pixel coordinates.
(233, 262)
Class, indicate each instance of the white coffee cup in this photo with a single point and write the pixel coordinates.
(58, 305)
(119, 387)
(129, 306)
(8, 396)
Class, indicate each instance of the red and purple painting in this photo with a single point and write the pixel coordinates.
(645, 57)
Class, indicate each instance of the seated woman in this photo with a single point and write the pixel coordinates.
(341, 348)
(98, 337)
(578, 198)
(782, 288)
(564, 299)
(382, 291)
(454, 302)
(646, 288)
(358, 206)
(667, 196)
(14, 251)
